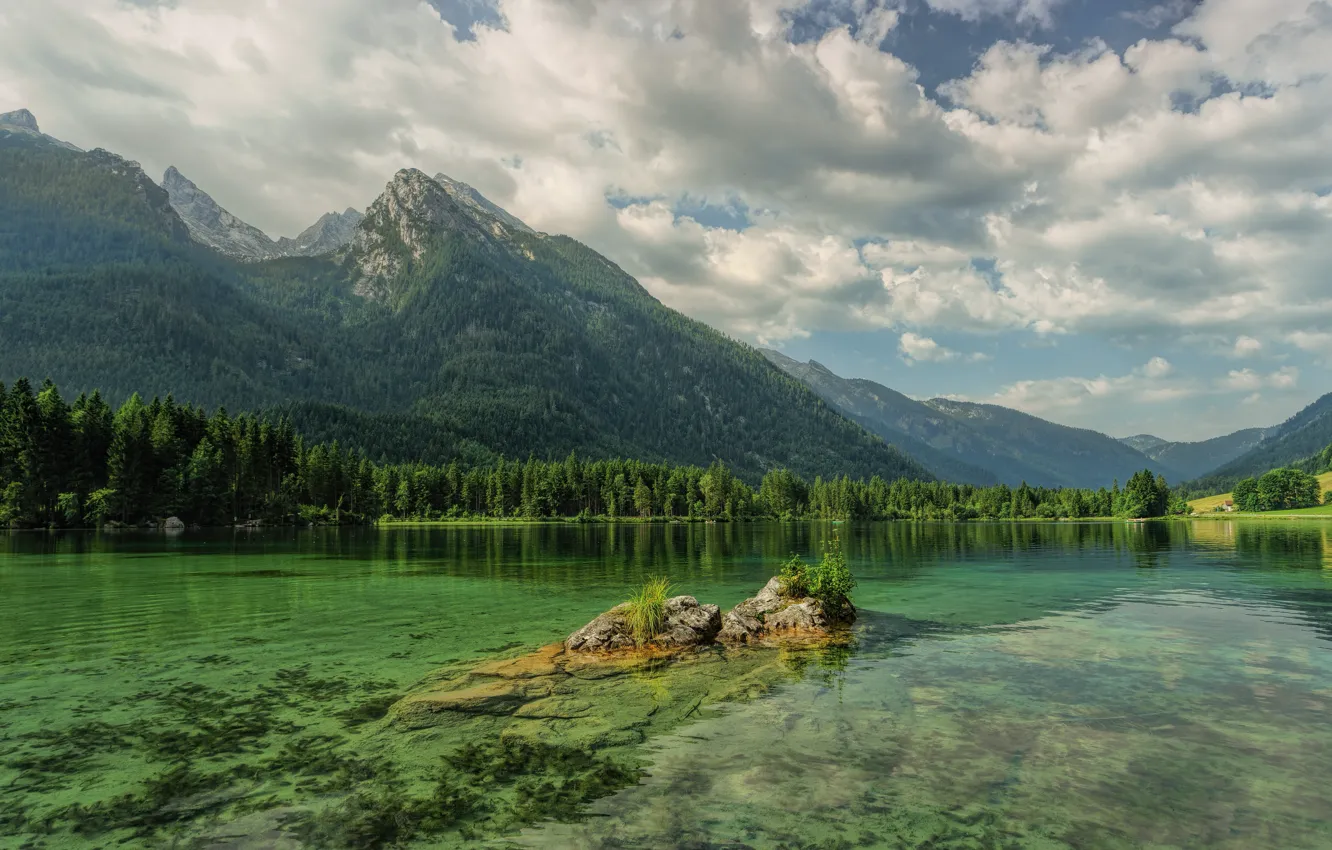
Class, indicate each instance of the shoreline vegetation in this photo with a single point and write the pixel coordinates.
(161, 464)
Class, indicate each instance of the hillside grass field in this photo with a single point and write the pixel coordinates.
(1208, 504)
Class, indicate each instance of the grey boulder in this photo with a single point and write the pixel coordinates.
(689, 623)
(608, 631)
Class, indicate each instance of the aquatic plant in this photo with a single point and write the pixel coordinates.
(482, 789)
(646, 612)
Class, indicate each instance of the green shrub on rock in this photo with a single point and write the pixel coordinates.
(829, 581)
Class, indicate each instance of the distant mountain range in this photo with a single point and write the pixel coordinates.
(436, 325)
(977, 443)
(1195, 459)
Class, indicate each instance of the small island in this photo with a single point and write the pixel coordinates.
(575, 691)
(803, 601)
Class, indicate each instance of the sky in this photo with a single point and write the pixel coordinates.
(1115, 214)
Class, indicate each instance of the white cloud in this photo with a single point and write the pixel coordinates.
(1246, 346)
(1038, 12)
(916, 348)
(1157, 367)
(1247, 379)
(1071, 395)
(1317, 342)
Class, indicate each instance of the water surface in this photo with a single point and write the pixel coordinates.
(1028, 685)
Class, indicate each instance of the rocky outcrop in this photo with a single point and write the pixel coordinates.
(173, 523)
(608, 631)
(23, 123)
(687, 624)
(20, 119)
(766, 615)
(211, 225)
(769, 614)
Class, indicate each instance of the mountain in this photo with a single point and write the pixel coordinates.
(1145, 442)
(1299, 438)
(468, 197)
(902, 421)
(332, 232)
(1198, 458)
(1074, 457)
(21, 122)
(975, 443)
(213, 226)
(441, 330)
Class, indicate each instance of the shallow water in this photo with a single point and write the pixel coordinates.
(1029, 685)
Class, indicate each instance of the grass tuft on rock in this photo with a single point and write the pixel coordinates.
(646, 614)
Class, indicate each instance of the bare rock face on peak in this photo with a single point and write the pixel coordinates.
(473, 200)
(24, 123)
(212, 225)
(22, 119)
(414, 211)
(330, 234)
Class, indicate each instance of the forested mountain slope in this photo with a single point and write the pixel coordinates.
(472, 334)
(970, 442)
(1198, 458)
(1299, 438)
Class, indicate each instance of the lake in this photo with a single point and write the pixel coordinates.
(1009, 685)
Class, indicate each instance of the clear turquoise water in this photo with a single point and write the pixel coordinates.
(1061, 686)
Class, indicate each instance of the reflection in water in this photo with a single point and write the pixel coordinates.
(1010, 685)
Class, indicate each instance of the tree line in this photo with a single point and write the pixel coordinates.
(84, 463)
(1283, 489)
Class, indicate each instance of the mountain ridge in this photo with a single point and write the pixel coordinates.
(1198, 458)
(213, 226)
(1013, 450)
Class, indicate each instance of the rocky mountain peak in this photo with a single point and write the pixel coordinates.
(23, 123)
(330, 234)
(414, 210)
(22, 119)
(211, 225)
(472, 200)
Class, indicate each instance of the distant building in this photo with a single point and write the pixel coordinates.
(1228, 505)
